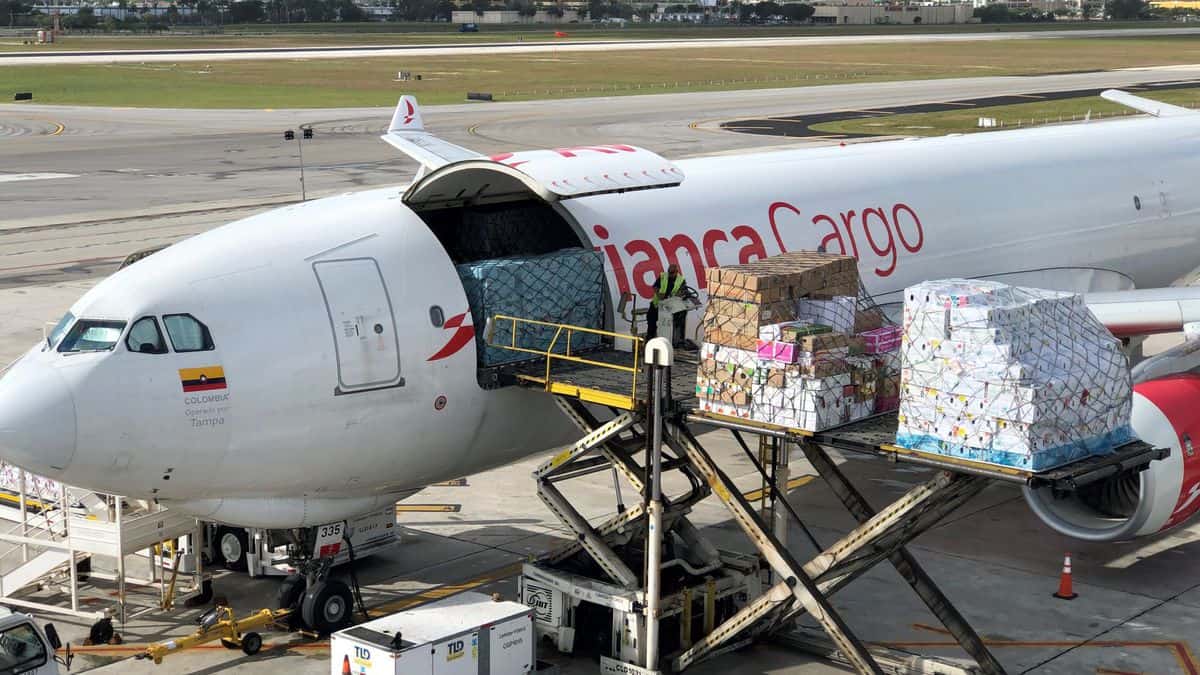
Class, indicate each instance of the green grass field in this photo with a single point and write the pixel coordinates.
(1011, 116)
(318, 83)
(400, 33)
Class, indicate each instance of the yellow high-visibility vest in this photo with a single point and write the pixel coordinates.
(662, 288)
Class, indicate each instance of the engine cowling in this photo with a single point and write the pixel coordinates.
(1166, 414)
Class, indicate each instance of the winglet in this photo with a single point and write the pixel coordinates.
(1146, 105)
(407, 134)
(407, 116)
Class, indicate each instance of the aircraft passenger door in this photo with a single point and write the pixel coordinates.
(363, 324)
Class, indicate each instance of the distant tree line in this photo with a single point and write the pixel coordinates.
(1113, 9)
(1001, 13)
(749, 12)
(202, 12)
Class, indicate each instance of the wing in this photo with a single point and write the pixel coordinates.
(1146, 105)
(407, 134)
(1146, 311)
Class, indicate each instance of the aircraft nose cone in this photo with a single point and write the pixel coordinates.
(37, 419)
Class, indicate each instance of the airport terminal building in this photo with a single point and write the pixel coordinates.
(871, 13)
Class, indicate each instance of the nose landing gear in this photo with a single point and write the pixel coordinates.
(317, 602)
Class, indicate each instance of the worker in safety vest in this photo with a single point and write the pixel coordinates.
(667, 285)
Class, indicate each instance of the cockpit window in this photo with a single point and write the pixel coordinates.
(145, 337)
(187, 334)
(59, 329)
(92, 335)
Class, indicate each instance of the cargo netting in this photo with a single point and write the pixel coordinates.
(563, 287)
(1019, 377)
(788, 341)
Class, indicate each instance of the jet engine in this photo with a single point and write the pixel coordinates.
(1138, 503)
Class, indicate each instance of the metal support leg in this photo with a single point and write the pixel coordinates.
(654, 506)
(604, 556)
(804, 589)
(905, 563)
(781, 476)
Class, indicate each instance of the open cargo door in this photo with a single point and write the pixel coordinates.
(544, 175)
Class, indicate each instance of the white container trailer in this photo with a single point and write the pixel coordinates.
(468, 634)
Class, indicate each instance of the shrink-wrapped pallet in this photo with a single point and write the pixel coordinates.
(1020, 377)
(564, 287)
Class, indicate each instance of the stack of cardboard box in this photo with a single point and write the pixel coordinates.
(779, 344)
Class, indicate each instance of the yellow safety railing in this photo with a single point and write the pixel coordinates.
(563, 334)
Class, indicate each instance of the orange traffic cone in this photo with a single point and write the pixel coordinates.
(1065, 591)
(346, 665)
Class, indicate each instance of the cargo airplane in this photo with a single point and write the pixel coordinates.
(318, 361)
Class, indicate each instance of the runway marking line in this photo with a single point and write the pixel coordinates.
(1180, 650)
(65, 262)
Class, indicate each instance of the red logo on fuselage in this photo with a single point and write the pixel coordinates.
(462, 335)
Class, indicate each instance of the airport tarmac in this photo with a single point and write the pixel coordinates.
(68, 164)
(188, 171)
(1138, 609)
(449, 49)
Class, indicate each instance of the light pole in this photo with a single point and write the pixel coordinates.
(305, 135)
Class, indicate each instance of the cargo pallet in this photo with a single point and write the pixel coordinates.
(653, 412)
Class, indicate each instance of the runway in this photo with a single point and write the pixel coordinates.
(98, 164)
(450, 49)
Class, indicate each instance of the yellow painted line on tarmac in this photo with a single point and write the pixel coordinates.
(757, 495)
(428, 508)
(1180, 649)
(58, 129)
(439, 592)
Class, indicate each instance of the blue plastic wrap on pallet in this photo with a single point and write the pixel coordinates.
(1043, 460)
(563, 287)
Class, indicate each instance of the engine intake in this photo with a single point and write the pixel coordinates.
(1138, 503)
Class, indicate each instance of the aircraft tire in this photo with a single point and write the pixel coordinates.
(290, 592)
(232, 546)
(327, 606)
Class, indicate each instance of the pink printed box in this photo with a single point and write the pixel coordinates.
(778, 351)
(881, 340)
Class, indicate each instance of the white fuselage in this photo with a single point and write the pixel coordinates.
(320, 313)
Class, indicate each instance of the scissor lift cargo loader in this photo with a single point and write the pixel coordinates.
(718, 600)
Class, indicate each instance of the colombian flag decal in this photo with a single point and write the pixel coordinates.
(207, 378)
